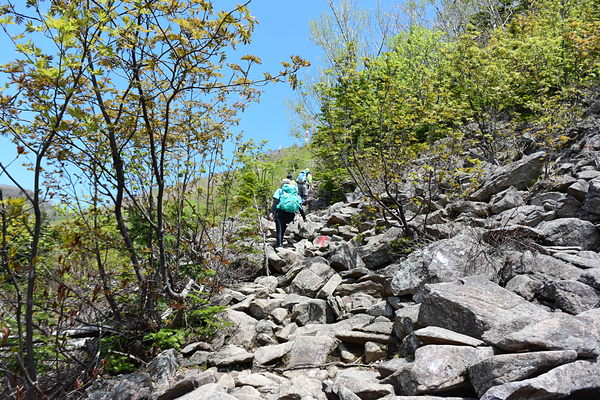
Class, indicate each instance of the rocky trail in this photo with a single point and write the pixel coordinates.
(502, 303)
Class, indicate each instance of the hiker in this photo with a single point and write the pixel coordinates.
(291, 180)
(304, 180)
(286, 203)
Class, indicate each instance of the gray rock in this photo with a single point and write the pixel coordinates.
(578, 189)
(581, 262)
(285, 333)
(557, 331)
(545, 268)
(242, 331)
(518, 174)
(255, 380)
(380, 325)
(188, 383)
(211, 391)
(279, 315)
(572, 297)
(591, 277)
(522, 215)
(267, 354)
(311, 278)
(377, 253)
(437, 335)
(524, 286)
(381, 308)
(345, 257)
(246, 393)
(310, 351)
(570, 232)
(591, 203)
(405, 320)
(588, 175)
(299, 388)
(374, 352)
(276, 263)
(164, 367)
(193, 347)
(441, 368)
(367, 287)
(387, 368)
(311, 311)
(358, 337)
(329, 287)
(363, 383)
(509, 198)
(579, 378)
(475, 305)
(443, 261)
(477, 209)
(268, 282)
(198, 358)
(504, 368)
(230, 355)
(124, 387)
(261, 308)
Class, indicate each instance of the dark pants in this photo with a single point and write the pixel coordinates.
(282, 219)
(303, 190)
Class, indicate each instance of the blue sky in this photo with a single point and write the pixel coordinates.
(283, 30)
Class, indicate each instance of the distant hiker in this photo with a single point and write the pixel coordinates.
(304, 180)
(286, 203)
(291, 180)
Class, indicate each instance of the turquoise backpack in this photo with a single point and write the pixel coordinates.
(289, 201)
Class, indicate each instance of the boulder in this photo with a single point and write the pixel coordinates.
(374, 352)
(591, 277)
(437, 335)
(581, 262)
(311, 311)
(518, 174)
(345, 257)
(310, 351)
(556, 331)
(591, 204)
(578, 189)
(504, 368)
(377, 253)
(363, 383)
(572, 297)
(242, 331)
(329, 288)
(211, 391)
(405, 320)
(367, 287)
(163, 367)
(230, 355)
(474, 305)
(300, 387)
(267, 354)
(544, 268)
(524, 286)
(187, 383)
(359, 337)
(312, 277)
(124, 387)
(578, 379)
(246, 393)
(522, 215)
(507, 199)
(570, 232)
(441, 368)
(443, 261)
